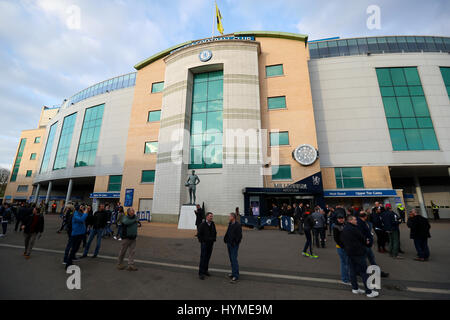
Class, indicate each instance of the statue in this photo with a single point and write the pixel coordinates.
(192, 182)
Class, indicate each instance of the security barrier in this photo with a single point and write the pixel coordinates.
(259, 222)
(287, 223)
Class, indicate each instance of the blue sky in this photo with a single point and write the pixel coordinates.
(46, 56)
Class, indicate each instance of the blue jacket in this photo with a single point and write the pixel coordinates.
(78, 223)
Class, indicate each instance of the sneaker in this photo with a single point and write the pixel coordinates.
(132, 268)
(313, 256)
(306, 254)
(120, 267)
(120, 239)
(373, 294)
(347, 283)
(399, 257)
(359, 291)
(115, 238)
(64, 262)
(234, 280)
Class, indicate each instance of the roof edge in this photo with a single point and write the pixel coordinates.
(267, 34)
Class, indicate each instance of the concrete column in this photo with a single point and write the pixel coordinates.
(36, 195)
(69, 191)
(420, 197)
(49, 189)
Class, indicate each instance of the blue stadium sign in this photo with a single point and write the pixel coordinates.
(359, 193)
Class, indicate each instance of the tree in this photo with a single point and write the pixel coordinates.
(4, 176)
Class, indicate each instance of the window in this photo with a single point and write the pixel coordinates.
(279, 138)
(154, 116)
(90, 133)
(148, 176)
(273, 71)
(406, 109)
(207, 121)
(33, 156)
(349, 177)
(157, 87)
(29, 173)
(48, 148)
(37, 140)
(151, 147)
(22, 188)
(276, 103)
(65, 139)
(445, 71)
(115, 183)
(19, 155)
(282, 172)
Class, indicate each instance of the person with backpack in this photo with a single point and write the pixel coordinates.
(130, 224)
(308, 224)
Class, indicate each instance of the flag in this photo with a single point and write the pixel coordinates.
(219, 20)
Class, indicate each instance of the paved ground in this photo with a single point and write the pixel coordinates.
(270, 261)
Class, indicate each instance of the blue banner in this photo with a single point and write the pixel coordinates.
(129, 195)
(287, 223)
(99, 195)
(359, 193)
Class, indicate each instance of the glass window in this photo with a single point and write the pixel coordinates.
(65, 139)
(382, 44)
(402, 44)
(412, 45)
(151, 147)
(18, 160)
(37, 140)
(430, 46)
(420, 41)
(154, 116)
(333, 48)
(279, 138)
(323, 49)
(48, 148)
(115, 183)
(148, 176)
(406, 109)
(157, 87)
(33, 156)
(343, 47)
(349, 177)
(276, 103)
(439, 44)
(90, 136)
(29, 173)
(273, 71)
(282, 172)
(22, 188)
(445, 71)
(362, 44)
(207, 119)
(392, 44)
(372, 45)
(313, 50)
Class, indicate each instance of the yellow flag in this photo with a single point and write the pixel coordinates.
(219, 20)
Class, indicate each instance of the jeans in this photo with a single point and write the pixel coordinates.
(381, 238)
(127, 244)
(233, 254)
(358, 267)
(67, 250)
(18, 221)
(206, 252)
(300, 227)
(107, 231)
(4, 227)
(99, 234)
(370, 256)
(119, 231)
(345, 274)
(321, 232)
(394, 242)
(308, 243)
(422, 248)
(30, 239)
(76, 242)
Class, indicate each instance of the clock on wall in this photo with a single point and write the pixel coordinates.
(305, 154)
(205, 55)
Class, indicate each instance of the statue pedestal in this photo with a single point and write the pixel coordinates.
(187, 217)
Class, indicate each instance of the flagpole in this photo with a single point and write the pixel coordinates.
(214, 19)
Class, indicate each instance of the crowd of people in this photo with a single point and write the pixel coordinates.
(352, 230)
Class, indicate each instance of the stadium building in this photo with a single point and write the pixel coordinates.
(262, 117)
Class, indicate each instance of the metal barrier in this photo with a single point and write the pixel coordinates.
(259, 222)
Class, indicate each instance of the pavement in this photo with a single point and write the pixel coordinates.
(271, 267)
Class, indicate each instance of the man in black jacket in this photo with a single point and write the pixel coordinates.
(99, 220)
(420, 232)
(31, 226)
(355, 246)
(233, 238)
(207, 235)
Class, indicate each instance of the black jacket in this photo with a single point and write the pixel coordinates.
(199, 216)
(353, 240)
(100, 219)
(234, 234)
(27, 222)
(337, 230)
(419, 227)
(308, 222)
(207, 233)
(365, 229)
(298, 213)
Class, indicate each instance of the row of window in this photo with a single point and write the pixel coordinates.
(394, 44)
(115, 182)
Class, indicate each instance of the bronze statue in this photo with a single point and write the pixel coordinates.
(191, 183)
